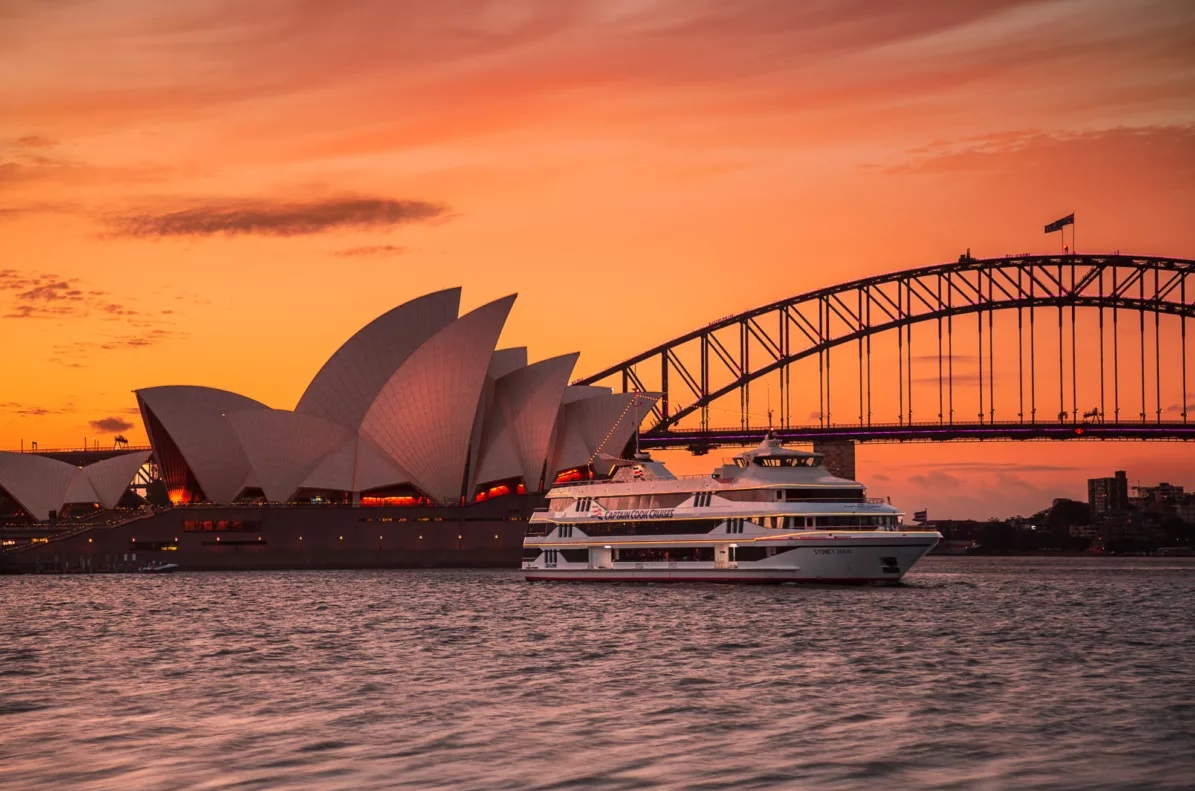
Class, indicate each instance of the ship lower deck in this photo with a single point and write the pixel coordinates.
(787, 556)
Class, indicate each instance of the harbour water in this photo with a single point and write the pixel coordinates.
(1058, 673)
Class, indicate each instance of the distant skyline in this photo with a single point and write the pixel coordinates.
(199, 193)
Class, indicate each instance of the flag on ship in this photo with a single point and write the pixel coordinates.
(637, 473)
(920, 516)
(1058, 225)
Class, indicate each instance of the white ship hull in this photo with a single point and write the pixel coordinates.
(870, 558)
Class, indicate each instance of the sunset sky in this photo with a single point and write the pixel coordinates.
(221, 193)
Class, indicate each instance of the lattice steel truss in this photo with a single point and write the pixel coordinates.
(733, 352)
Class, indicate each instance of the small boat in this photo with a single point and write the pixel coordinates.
(161, 567)
(772, 515)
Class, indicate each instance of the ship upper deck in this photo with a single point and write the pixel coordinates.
(769, 466)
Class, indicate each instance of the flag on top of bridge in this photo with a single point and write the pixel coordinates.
(920, 516)
(1058, 225)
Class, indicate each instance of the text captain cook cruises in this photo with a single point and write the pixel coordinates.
(773, 515)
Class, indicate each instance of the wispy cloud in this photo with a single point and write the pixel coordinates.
(41, 295)
(110, 425)
(996, 466)
(371, 250)
(936, 479)
(46, 295)
(958, 358)
(31, 410)
(998, 153)
(27, 168)
(36, 141)
(958, 378)
(77, 353)
(267, 218)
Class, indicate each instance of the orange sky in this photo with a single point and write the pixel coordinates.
(220, 194)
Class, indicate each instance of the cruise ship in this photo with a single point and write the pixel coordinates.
(771, 515)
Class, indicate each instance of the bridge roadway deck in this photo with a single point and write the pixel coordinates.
(696, 440)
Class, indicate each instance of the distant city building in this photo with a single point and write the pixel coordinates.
(1108, 495)
(956, 529)
(1164, 494)
(1186, 509)
(1135, 527)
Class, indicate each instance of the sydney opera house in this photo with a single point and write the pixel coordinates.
(418, 443)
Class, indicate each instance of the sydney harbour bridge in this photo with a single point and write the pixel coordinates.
(1014, 348)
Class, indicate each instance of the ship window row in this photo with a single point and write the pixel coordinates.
(664, 527)
(654, 554)
(637, 501)
(663, 555)
(792, 495)
(853, 520)
(785, 461)
(842, 520)
(850, 495)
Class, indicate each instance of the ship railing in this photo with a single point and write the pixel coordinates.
(570, 484)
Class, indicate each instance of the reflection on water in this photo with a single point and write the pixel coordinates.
(979, 673)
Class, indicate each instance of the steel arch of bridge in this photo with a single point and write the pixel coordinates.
(771, 338)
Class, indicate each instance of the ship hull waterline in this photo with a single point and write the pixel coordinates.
(838, 563)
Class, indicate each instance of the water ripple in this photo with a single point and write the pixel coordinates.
(979, 673)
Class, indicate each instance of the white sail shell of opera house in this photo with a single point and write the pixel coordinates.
(194, 444)
(423, 417)
(417, 406)
(284, 448)
(599, 423)
(349, 383)
(39, 484)
(110, 477)
(357, 465)
(517, 437)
